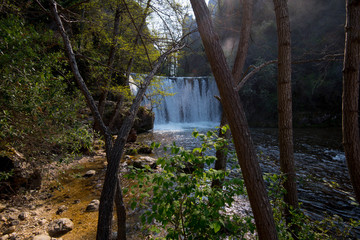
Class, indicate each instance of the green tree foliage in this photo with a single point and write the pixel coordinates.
(93, 37)
(38, 107)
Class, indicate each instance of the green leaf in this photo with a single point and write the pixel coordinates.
(216, 226)
(133, 205)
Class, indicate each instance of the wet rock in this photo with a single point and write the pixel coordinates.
(144, 120)
(61, 209)
(132, 136)
(42, 237)
(24, 215)
(93, 206)
(60, 227)
(89, 173)
(142, 161)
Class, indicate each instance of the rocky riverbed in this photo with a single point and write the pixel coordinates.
(66, 206)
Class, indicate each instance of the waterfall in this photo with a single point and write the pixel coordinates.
(191, 105)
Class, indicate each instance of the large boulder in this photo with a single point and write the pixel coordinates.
(144, 120)
(21, 174)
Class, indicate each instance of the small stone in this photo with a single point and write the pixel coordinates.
(9, 230)
(42, 237)
(42, 222)
(13, 236)
(77, 201)
(60, 227)
(2, 218)
(12, 217)
(15, 223)
(61, 209)
(93, 206)
(4, 237)
(24, 215)
(89, 173)
(2, 207)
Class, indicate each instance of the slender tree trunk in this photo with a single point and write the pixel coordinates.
(110, 183)
(243, 47)
(120, 211)
(285, 105)
(221, 154)
(237, 72)
(107, 81)
(238, 124)
(113, 151)
(350, 96)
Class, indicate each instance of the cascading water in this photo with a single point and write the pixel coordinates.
(191, 105)
(193, 102)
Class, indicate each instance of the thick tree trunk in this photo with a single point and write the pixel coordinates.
(285, 105)
(238, 124)
(350, 96)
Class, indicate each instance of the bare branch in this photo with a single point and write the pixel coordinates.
(256, 69)
(72, 61)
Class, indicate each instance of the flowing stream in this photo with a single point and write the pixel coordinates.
(322, 175)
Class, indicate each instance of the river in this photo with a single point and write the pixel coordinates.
(322, 175)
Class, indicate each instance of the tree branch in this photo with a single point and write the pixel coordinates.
(80, 81)
(256, 69)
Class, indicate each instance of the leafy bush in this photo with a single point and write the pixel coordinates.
(38, 109)
(183, 200)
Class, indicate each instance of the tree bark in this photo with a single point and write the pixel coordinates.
(285, 105)
(120, 212)
(350, 98)
(238, 124)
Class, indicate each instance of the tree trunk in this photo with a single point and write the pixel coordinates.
(110, 182)
(120, 212)
(221, 154)
(350, 98)
(238, 124)
(113, 151)
(285, 105)
(237, 72)
(106, 84)
(246, 21)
